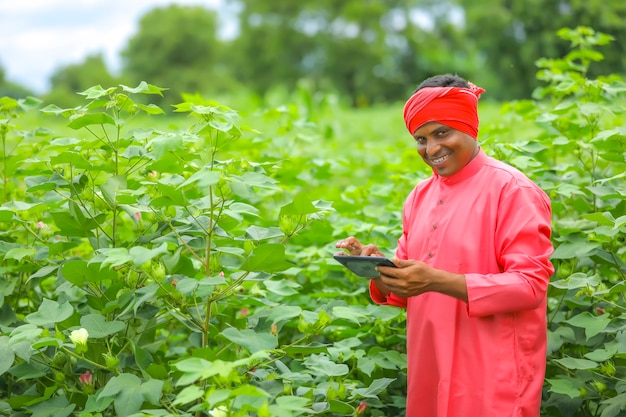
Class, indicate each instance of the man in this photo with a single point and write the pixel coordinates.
(473, 268)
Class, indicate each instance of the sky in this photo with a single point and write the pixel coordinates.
(38, 37)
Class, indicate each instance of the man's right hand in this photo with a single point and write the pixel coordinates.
(356, 248)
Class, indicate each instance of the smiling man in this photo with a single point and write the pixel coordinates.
(473, 268)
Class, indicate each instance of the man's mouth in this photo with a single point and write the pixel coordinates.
(440, 159)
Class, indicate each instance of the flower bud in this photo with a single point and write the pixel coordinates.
(79, 338)
(111, 361)
(86, 378)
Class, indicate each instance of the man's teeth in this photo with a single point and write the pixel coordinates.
(443, 158)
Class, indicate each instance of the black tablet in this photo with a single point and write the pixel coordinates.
(363, 266)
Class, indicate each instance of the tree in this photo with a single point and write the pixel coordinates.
(11, 89)
(68, 80)
(177, 48)
(512, 35)
(368, 51)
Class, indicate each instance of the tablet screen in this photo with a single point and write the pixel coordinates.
(364, 266)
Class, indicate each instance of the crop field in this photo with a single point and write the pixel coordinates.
(181, 264)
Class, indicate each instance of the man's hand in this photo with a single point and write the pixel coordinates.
(412, 278)
(356, 248)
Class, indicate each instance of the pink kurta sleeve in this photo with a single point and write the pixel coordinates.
(391, 299)
(522, 240)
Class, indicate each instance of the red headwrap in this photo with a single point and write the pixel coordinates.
(453, 106)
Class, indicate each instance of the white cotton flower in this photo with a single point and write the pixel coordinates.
(79, 337)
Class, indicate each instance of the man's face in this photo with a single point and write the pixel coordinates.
(445, 149)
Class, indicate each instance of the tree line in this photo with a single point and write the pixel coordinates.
(365, 51)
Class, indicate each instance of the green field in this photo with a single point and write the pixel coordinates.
(194, 250)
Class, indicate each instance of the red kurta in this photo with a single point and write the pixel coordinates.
(486, 357)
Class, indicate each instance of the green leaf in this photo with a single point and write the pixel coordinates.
(267, 258)
(574, 363)
(300, 205)
(165, 144)
(68, 157)
(78, 272)
(569, 250)
(322, 365)
(6, 215)
(134, 151)
(262, 233)
(384, 312)
(6, 355)
(54, 407)
(98, 327)
(619, 222)
(25, 332)
(120, 383)
(205, 178)
(577, 280)
(20, 253)
(39, 183)
(151, 108)
(44, 272)
(284, 313)
(141, 255)
(57, 111)
(96, 404)
(143, 358)
(283, 288)
(601, 355)
(257, 179)
(192, 365)
(91, 119)
(293, 403)
(614, 406)
(375, 388)
(144, 88)
(339, 407)
(50, 312)
(592, 324)
(70, 225)
(349, 313)
(188, 394)
(126, 389)
(47, 341)
(197, 368)
(306, 350)
(112, 188)
(26, 371)
(8, 103)
(250, 339)
(151, 390)
(563, 386)
(96, 92)
(604, 218)
(114, 257)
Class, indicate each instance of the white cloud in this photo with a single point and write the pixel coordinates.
(39, 36)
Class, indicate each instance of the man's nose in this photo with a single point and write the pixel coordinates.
(432, 147)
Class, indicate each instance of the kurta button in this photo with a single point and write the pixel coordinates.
(440, 201)
(434, 226)
(430, 255)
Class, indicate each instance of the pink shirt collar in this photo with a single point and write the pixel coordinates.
(467, 171)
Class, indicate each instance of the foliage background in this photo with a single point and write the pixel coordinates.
(366, 52)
